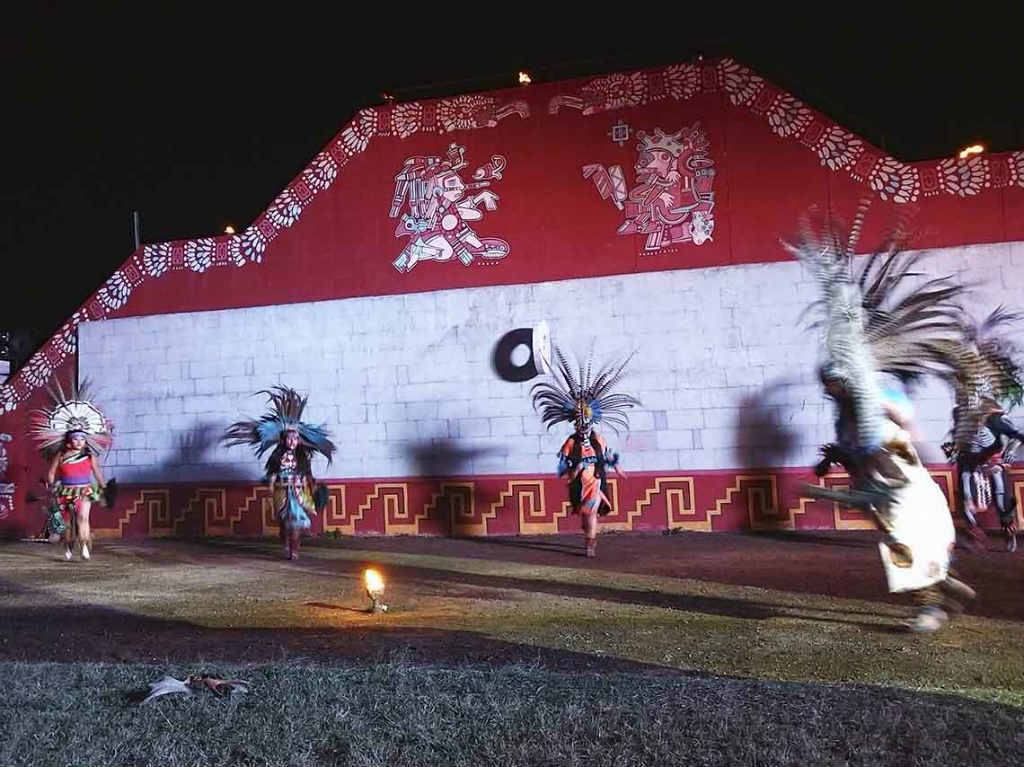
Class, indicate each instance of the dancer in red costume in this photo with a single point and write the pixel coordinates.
(585, 456)
(73, 434)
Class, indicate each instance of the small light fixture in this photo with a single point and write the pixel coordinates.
(229, 229)
(969, 150)
(524, 78)
(375, 591)
(387, 96)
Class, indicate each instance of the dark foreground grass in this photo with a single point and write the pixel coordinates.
(394, 713)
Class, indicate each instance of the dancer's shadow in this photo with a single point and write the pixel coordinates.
(329, 606)
(194, 458)
(560, 548)
(763, 437)
(868, 541)
(443, 460)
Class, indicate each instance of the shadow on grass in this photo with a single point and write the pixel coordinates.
(63, 631)
(342, 608)
(456, 580)
(831, 564)
(525, 543)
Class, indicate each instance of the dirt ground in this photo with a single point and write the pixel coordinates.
(796, 606)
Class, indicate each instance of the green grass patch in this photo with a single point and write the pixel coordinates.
(395, 713)
(232, 601)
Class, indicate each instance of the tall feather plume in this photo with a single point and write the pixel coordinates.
(876, 320)
(556, 399)
(985, 372)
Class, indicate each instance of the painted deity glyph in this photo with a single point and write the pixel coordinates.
(671, 200)
(436, 209)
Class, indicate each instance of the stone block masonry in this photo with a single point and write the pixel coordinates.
(405, 383)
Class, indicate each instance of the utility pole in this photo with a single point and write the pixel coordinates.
(136, 229)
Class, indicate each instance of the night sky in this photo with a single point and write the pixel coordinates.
(198, 120)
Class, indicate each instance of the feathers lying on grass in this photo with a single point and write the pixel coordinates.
(169, 685)
(219, 686)
(165, 686)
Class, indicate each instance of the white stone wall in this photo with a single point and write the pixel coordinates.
(724, 368)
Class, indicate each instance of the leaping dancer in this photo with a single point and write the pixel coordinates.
(874, 327)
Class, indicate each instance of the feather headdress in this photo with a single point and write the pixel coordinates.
(71, 412)
(583, 395)
(880, 318)
(986, 376)
(284, 414)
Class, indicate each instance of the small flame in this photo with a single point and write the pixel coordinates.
(524, 78)
(972, 149)
(374, 583)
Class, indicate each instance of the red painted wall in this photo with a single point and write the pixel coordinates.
(557, 225)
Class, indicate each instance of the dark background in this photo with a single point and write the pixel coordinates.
(198, 116)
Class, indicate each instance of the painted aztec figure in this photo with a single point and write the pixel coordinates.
(73, 434)
(983, 441)
(875, 327)
(671, 201)
(586, 400)
(435, 208)
(289, 471)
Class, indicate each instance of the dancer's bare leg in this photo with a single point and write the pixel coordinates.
(589, 523)
(84, 532)
(69, 536)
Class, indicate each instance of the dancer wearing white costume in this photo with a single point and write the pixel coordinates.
(875, 327)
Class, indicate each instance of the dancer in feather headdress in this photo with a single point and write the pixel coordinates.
(585, 400)
(289, 469)
(876, 323)
(986, 383)
(72, 435)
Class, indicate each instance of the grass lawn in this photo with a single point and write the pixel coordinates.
(491, 653)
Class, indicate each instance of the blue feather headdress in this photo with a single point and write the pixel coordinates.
(284, 415)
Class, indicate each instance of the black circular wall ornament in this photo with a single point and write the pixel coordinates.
(537, 340)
